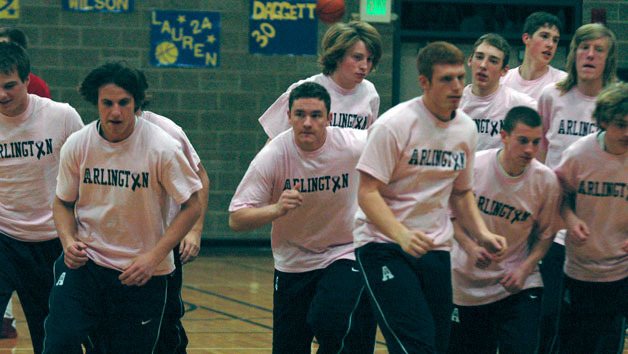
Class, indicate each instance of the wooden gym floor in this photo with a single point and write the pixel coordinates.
(228, 296)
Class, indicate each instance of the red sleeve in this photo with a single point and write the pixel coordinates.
(38, 86)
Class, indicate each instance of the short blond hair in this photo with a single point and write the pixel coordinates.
(611, 105)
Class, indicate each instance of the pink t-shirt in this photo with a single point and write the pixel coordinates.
(29, 163)
(532, 88)
(179, 135)
(566, 118)
(512, 207)
(357, 108)
(600, 183)
(489, 112)
(421, 160)
(318, 232)
(121, 191)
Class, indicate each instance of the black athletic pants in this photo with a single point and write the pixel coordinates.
(329, 304)
(172, 337)
(552, 272)
(411, 297)
(593, 317)
(26, 267)
(91, 299)
(510, 324)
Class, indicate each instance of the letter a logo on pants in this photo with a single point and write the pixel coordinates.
(386, 274)
(455, 317)
(61, 279)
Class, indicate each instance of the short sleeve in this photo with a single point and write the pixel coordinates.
(69, 176)
(177, 176)
(254, 191)
(380, 153)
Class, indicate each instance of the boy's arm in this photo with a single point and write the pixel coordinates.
(252, 218)
(415, 243)
(191, 243)
(469, 217)
(142, 268)
(74, 254)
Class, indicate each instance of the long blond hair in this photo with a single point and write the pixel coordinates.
(586, 33)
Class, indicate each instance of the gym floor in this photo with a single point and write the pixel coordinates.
(228, 295)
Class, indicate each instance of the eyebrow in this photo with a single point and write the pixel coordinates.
(489, 55)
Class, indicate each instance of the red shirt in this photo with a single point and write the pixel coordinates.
(37, 86)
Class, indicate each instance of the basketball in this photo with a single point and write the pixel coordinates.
(330, 11)
(166, 53)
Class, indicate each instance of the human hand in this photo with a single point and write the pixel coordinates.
(189, 247)
(74, 255)
(140, 271)
(495, 244)
(577, 231)
(289, 199)
(483, 258)
(514, 281)
(415, 243)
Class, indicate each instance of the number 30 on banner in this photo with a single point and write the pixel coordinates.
(266, 31)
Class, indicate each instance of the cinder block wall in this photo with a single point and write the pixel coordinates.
(218, 107)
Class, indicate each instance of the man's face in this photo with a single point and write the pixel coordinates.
(591, 59)
(486, 67)
(442, 94)
(354, 66)
(521, 145)
(542, 44)
(117, 113)
(309, 119)
(13, 94)
(616, 137)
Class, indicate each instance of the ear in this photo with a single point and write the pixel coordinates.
(424, 82)
(524, 38)
(505, 70)
(504, 135)
(469, 60)
(329, 118)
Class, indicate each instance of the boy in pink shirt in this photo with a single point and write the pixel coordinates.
(487, 101)
(418, 155)
(115, 179)
(498, 300)
(350, 52)
(37, 86)
(32, 131)
(541, 33)
(593, 172)
(566, 109)
(304, 182)
(172, 336)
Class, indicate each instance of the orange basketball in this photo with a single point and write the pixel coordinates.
(330, 11)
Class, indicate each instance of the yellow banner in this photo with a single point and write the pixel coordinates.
(9, 9)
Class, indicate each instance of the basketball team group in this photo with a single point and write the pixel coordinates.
(488, 217)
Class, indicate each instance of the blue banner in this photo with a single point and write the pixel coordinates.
(283, 27)
(117, 6)
(185, 39)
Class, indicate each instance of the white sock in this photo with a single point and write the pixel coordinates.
(8, 313)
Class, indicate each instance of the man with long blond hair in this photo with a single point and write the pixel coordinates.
(593, 174)
(566, 108)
